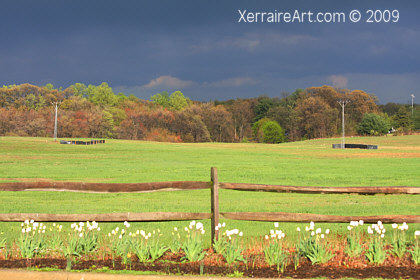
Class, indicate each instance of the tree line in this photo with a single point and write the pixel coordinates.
(89, 111)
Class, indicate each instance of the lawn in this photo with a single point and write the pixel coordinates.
(307, 163)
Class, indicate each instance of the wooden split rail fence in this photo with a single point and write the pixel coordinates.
(215, 214)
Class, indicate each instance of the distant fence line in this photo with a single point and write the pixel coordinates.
(214, 215)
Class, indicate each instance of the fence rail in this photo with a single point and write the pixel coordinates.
(107, 217)
(103, 187)
(214, 185)
(196, 185)
(303, 217)
(320, 190)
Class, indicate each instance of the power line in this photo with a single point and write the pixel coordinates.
(343, 103)
(55, 119)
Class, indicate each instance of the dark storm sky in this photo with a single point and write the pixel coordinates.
(198, 47)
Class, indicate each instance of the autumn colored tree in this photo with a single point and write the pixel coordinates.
(242, 115)
(316, 118)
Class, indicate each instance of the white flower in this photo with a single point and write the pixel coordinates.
(327, 231)
(311, 225)
(175, 229)
(322, 235)
(23, 230)
(361, 222)
(241, 234)
(186, 229)
(318, 230)
(123, 230)
(283, 234)
(370, 231)
(109, 234)
(81, 234)
(417, 233)
(394, 226)
(26, 222)
(312, 233)
(266, 237)
(298, 229)
(143, 233)
(271, 231)
(382, 235)
(120, 237)
(81, 224)
(113, 232)
(306, 228)
(28, 229)
(224, 224)
(149, 234)
(219, 225)
(276, 224)
(405, 226)
(199, 225)
(31, 221)
(98, 229)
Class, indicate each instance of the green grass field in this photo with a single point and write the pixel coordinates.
(308, 163)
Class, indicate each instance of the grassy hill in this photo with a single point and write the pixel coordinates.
(308, 163)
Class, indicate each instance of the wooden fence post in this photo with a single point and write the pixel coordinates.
(214, 205)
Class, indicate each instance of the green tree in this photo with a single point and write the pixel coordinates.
(402, 119)
(416, 119)
(79, 89)
(49, 86)
(264, 104)
(178, 101)
(273, 133)
(102, 95)
(161, 99)
(268, 131)
(373, 124)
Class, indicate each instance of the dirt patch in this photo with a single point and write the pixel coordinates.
(405, 148)
(378, 154)
(213, 265)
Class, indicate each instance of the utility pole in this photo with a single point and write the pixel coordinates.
(343, 103)
(55, 120)
(412, 104)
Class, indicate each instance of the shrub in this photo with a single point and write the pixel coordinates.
(373, 124)
(268, 131)
(162, 135)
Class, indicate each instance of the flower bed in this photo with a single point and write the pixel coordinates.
(364, 252)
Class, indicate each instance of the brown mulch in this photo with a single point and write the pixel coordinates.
(171, 265)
